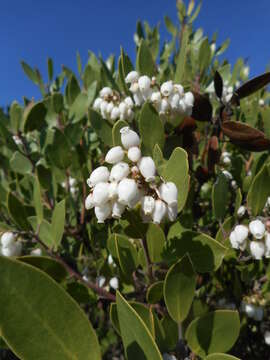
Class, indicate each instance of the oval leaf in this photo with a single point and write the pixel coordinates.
(34, 117)
(155, 239)
(202, 108)
(219, 356)
(250, 87)
(101, 127)
(38, 329)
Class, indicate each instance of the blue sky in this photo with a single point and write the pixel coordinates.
(33, 30)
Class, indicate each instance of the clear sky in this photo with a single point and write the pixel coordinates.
(33, 30)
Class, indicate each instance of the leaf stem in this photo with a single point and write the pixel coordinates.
(148, 260)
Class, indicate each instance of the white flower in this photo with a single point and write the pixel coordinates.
(12, 250)
(241, 211)
(172, 212)
(97, 102)
(156, 97)
(167, 356)
(113, 193)
(189, 99)
(103, 107)
(117, 209)
(101, 193)
(179, 89)
(233, 240)
(138, 98)
(147, 168)
(133, 202)
(127, 191)
(213, 48)
(89, 202)
(148, 204)
(114, 155)
(182, 107)
(100, 174)
(106, 91)
(174, 101)
(267, 337)
(110, 260)
(257, 229)
(129, 102)
(246, 71)
(36, 252)
(227, 174)
(119, 171)
(249, 309)
(114, 283)
(115, 113)
(159, 212)
(123, 108)
(241, 232)
(132, 77)
(103, 212)
(168, 192)
(7, 239)
(144, 83)
(261, 102)
(101, 280)
(134, 153)
(164, 106)
(129, 115)
(257, 249)
(166, 88)
(226, 160)
(109, 107)
(267, 245)
(129, 137)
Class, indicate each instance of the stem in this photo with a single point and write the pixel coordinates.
(148, 260)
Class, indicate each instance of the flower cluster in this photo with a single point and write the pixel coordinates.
(259, 244)
(168, 99)
(129, 183)
(112, 107)
(72, 183)
(9, 246)
(253, 306)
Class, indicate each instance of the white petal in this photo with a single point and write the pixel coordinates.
(147, 168)
(119, 171)
(257, 229)
(129, 137)
(114, 155)
(134, 153)
(101, 193)
(100, 174)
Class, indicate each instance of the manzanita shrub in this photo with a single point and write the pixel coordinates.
(135, 207)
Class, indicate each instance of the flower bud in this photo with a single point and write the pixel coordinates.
(101, 281)
(166, 88)
(123, 108)
(129, 115)
(129, 137)
(168, 192)
(97, 102)
(134, 88)
(164, 106)
(227, 174)
(115, 114)
(257, 229)
(132, 77)
(119, 171)
(147, 168)
(226, 160)
(249, 309)
(113, 193)
(148, 204)
(267, 337)
(261, 102)
(13, 249)
(106, 91)
(103, 107)
(110, 260)
(159, 211)
(103, 212)
(127, 191)
(241, 232)
(189, 99)
(36, 252)
(182, 107)
(132, 203)
(144, 83)
(257, 249)
(172, 212)
(114, 155)
(241, 211)
(134, 153)
(101, 193)
(100, 174)
(114, 283)
(109, 107)
(233, 240)
(167, 356)
(7, 239)
(117, 209)
(89, 202)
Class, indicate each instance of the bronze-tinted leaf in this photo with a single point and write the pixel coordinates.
(202, 109)
(213, 153)
(218, 82)
(245, 136)
(250, 87)
(187, 125)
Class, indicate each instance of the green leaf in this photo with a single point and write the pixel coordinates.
(160, 162)
(145, 62)
(59, 152)
(220, 193)
(155, 239)
(205, 335)
(80, 106)
(38, 329)
(259, 190)
(170, 26)
(204, 55)
(38, 200)
(176, 170)
(101, 127)
(137, 339)
(30, 73)
(206, 254)
(72, 90)
(116, 132)
(50, 69)
(58, 102)
(50, 266)
(15, 116)
(58, 222)
(20, 163)
(124, 67)
(179, 289)
(219, 356)
(155, 292)
(17, 211)
(150, 123)
(45, 230)
(182, 57)
(238, 201)
(34, 117)
(79, 62)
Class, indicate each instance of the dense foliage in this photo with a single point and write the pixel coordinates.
(173, 155)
